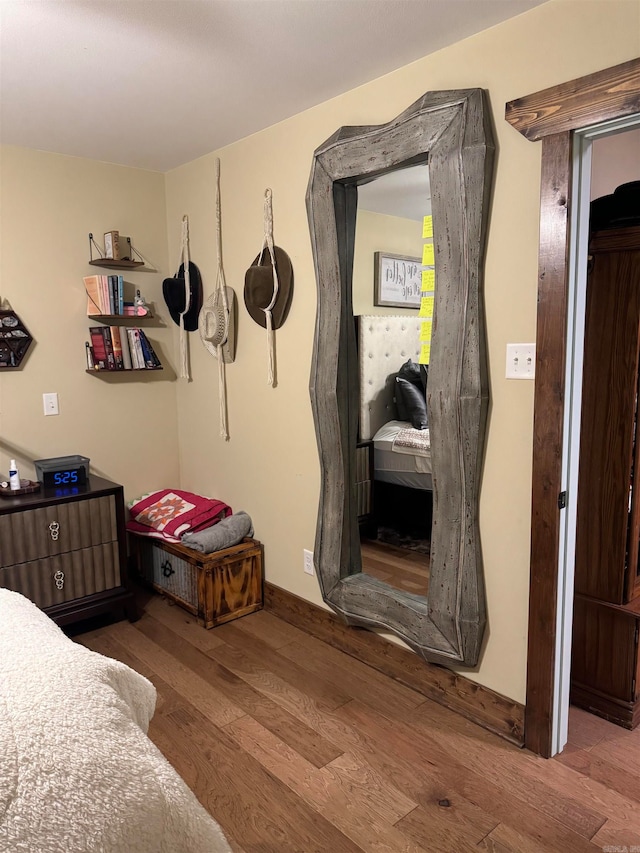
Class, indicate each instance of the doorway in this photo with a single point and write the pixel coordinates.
(606, 156)
(598, 98)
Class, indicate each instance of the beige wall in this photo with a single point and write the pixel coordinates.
(270, 465)
(614, 161)
(376, 232)
(127, 425)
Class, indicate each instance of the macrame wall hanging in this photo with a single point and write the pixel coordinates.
(216, 322)
(268, 288)
(183, 295)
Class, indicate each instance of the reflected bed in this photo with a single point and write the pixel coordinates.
(385, 343)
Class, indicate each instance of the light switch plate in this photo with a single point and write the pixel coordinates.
(50, 404)
(521, 361)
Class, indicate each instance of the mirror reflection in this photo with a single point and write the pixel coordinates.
(393, 287)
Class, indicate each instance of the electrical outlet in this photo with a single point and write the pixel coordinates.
(50, 404)
(521, 361)
(308, 561)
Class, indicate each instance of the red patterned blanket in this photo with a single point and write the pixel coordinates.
(170, 513)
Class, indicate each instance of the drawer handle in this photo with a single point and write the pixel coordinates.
(54, 530)
(59, 579)
(167, 569)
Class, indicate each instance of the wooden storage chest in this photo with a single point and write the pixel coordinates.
(215, 587)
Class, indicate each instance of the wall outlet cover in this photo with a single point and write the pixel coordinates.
(308, 562)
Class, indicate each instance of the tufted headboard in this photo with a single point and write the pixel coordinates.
(384, 344)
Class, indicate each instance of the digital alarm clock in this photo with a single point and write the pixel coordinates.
(62, 471)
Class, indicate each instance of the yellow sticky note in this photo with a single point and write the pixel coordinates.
(427, 227)
(425, 353)
(428, 279)
(426, 307)
(425, 331)
(428, 256)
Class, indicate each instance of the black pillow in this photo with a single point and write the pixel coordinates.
(413, 405)
(398, 396)
(410, 371)
(415, 373)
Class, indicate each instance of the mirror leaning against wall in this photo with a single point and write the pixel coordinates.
(450, 133)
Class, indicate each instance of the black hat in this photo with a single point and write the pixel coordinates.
(173, 290)
(259, 283)
(621, 209)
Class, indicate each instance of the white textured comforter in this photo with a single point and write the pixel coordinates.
(77, 772)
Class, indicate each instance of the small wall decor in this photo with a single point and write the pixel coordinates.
(15, 338)
(397, 281)
(268, 287)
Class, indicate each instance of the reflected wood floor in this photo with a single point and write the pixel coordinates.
(401, 568)
(296, 747)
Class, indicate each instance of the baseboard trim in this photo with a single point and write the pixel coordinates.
(479, 704)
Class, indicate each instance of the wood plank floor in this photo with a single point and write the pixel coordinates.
(401, 568)
(296, 747)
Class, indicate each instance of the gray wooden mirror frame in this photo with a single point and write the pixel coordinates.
(452, 131)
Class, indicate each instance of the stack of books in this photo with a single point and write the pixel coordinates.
(120, 348)
(105, 294)
(105, 297)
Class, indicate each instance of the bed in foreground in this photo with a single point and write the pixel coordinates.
(78, 773)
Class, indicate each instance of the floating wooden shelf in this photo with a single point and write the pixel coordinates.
(110, 264)
(103, 371)
(119, 317)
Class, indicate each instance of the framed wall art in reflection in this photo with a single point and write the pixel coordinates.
(397, 280)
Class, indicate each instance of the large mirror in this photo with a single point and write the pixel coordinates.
(448, 136)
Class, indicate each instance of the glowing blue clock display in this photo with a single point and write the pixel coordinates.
(65, 477)
(69, 473)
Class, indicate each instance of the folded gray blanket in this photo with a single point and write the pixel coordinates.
(227, 532)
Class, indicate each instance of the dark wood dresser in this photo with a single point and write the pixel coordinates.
(65, 549)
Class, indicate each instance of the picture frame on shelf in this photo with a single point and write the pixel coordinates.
(397, 280)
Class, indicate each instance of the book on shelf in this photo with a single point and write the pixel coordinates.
(137, 360)
(104, 294)
(126, 351)
(151, 360)
(102, 346)
(92, 286)
(98, 348)
(117, 347)
(155, 361)
(113, 284)
(108, 345)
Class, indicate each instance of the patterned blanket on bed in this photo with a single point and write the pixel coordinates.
(414, 441)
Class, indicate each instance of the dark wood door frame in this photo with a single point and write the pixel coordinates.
(552, 116)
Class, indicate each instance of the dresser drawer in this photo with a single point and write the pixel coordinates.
(84, 572)
(31, 534)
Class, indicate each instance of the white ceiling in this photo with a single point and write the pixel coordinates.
(157, 83)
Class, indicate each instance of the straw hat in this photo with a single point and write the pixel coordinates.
(217, 324)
